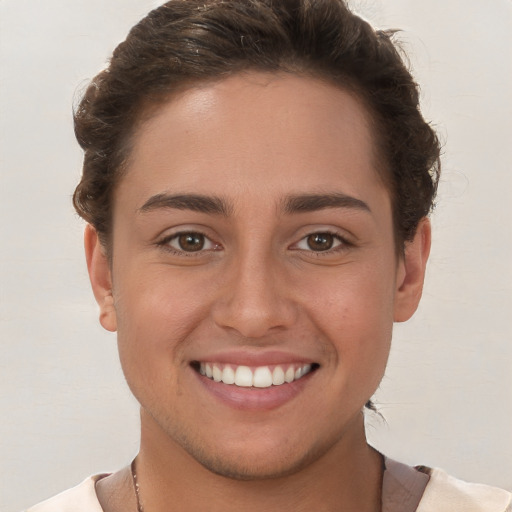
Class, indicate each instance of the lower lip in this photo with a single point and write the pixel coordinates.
(254, 399)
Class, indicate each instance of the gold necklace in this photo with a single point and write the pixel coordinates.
(136, 486)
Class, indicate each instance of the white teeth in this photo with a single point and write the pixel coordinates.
(216, 373)
(278, 376)
(228, 375)
(243, 376)
(262, 377)
(289, 376)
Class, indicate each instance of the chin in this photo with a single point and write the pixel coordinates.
(244, 469)
(253, 461)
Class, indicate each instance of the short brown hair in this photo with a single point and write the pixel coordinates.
(189, 41)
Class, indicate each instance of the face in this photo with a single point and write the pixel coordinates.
(254, 279)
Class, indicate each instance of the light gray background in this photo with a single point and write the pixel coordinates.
(65, 410)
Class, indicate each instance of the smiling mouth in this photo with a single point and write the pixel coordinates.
(255, 377)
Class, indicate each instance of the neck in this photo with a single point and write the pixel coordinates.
(347, 477)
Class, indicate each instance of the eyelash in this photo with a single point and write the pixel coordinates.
(165, 244)
(343, 244)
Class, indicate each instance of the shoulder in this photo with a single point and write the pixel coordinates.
(81, 498)
(445, 493)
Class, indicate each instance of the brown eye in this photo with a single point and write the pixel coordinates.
(320, 241)
(191, 242)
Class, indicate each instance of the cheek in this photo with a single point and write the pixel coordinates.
(155, 315)
(354, 309)
(155, 300)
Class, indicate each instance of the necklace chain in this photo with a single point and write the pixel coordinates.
(136, 487)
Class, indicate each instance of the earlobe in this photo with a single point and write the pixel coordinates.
(411, 273)
(101, 278)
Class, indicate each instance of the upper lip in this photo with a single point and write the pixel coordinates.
(253, 358)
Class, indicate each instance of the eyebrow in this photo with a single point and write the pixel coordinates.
(301, 203)
(313, 202)
(194, 202)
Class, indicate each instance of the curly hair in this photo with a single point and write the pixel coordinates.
(184, 42)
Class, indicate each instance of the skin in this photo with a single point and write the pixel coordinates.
(256, 288)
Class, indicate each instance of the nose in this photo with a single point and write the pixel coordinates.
(256, 298)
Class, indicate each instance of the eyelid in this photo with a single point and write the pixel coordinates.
(165, 242)
(341, 242)
(337, 242)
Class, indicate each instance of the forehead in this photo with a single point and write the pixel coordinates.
(255, 133)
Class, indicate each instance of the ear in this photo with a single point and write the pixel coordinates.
(411, 273)
(101, 278)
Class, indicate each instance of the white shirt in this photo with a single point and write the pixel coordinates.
(442, 493)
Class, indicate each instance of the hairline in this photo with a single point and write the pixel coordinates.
(146, 109)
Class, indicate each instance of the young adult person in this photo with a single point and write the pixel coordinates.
(257, 182)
